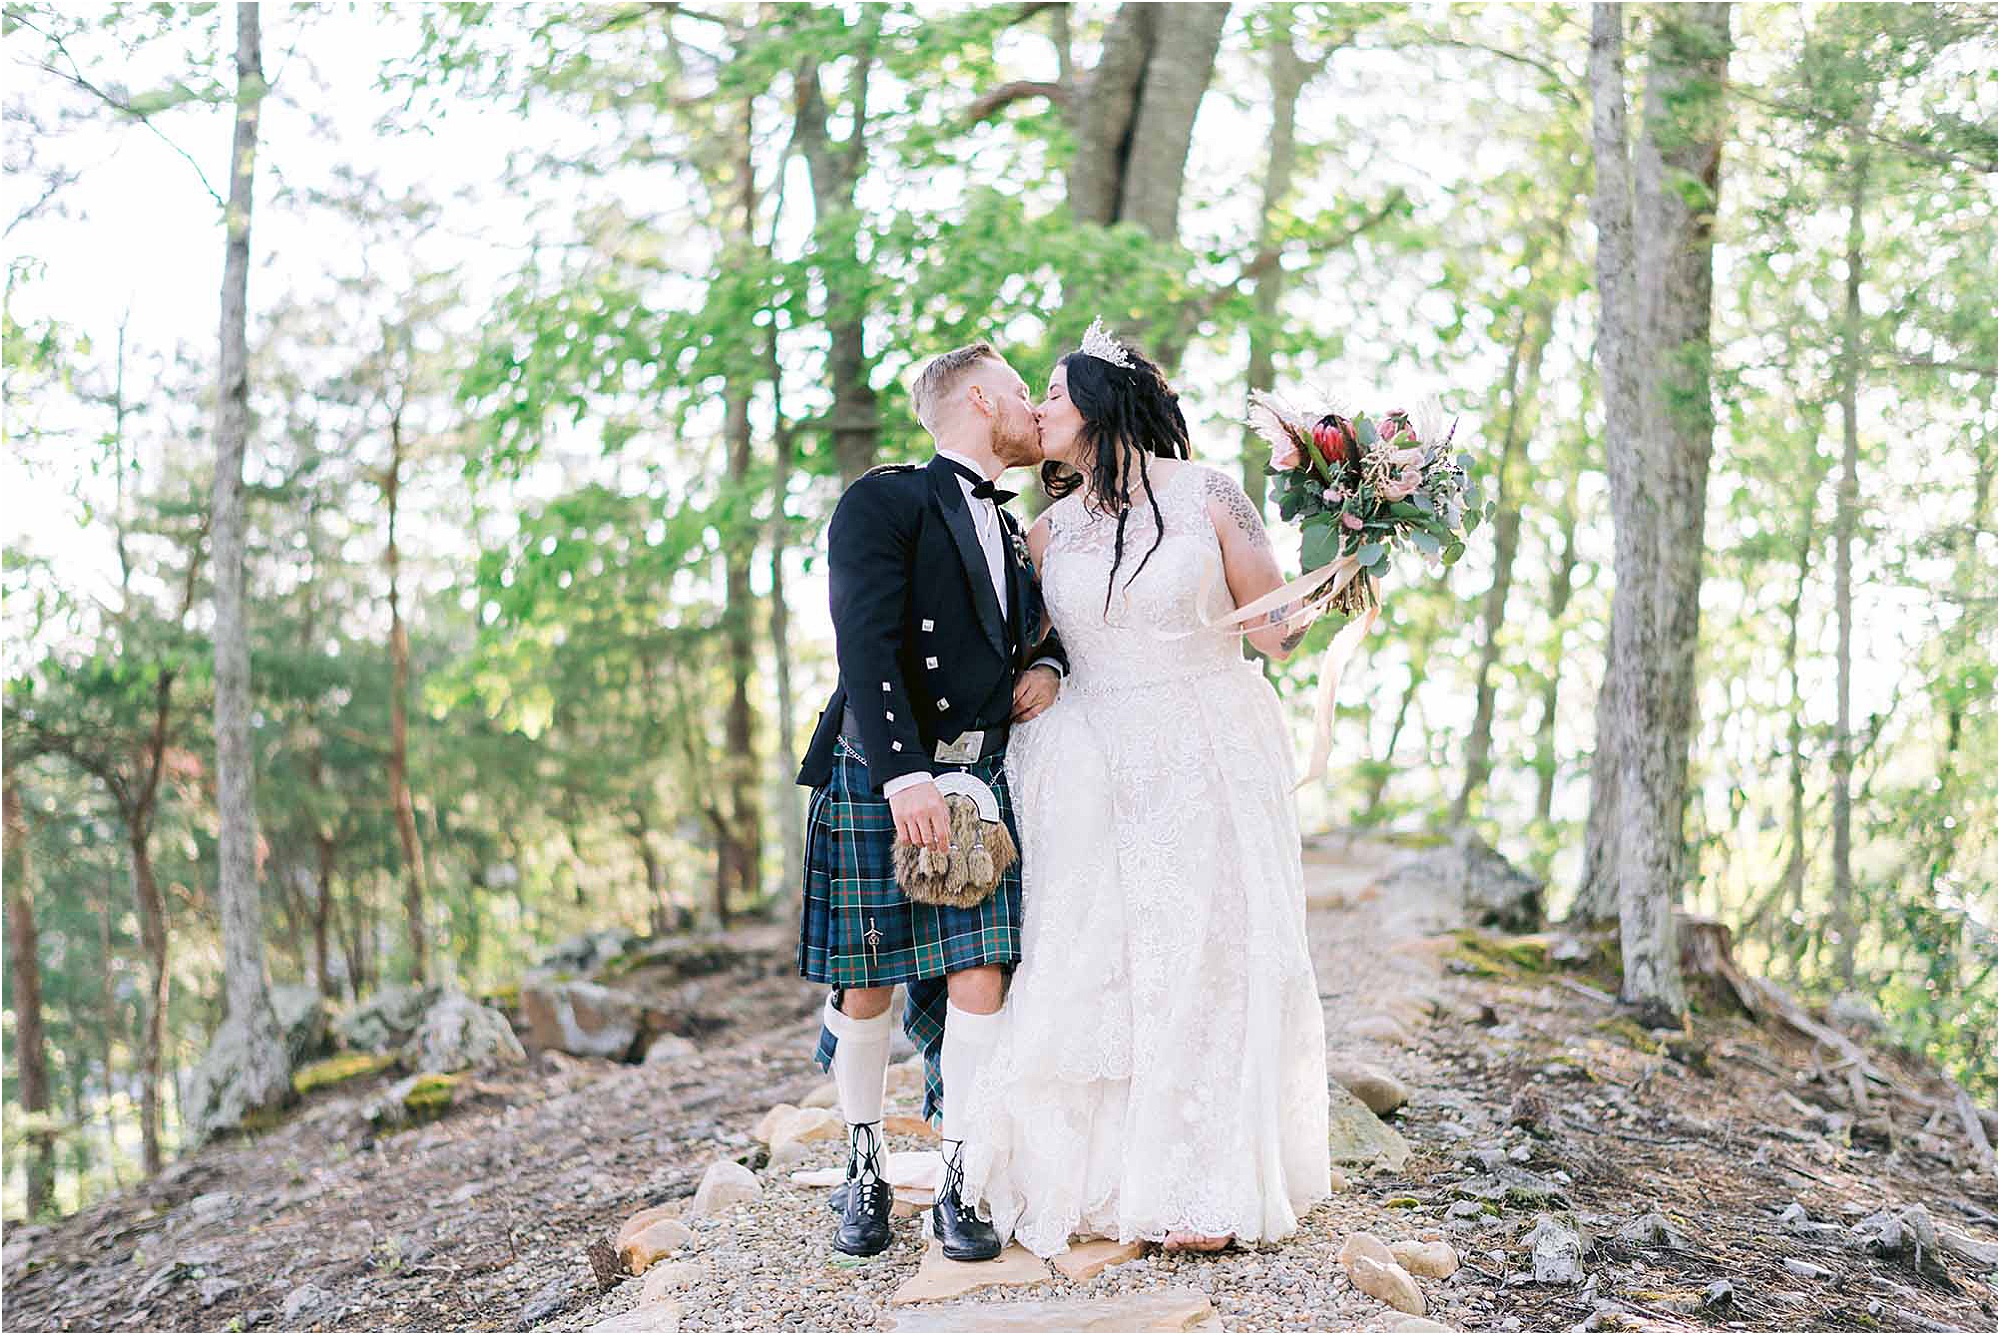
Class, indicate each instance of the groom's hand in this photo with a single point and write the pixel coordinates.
(921, 815)
(1035, 692)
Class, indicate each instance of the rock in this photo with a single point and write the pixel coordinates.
(1381, 1092)
(1431, 1260)
(235, 1078)
(1969, 1249)
(724, 1184)
(1087, 1260)
(1908, 1235)
(307, 1300)
(905, 1077)
(215, 1290)
(807, 1125)
(302, 1021)
(1378, 1029)
(1465, 1210)
(904, 1124)
(642, 1221)
(669, 1277)
(1413, 1324)
(1364, 1244)
(1389, 1283)
(386, 1020)
(209, 1207)
(1557, 1252)
(767, 1126)
(424, 1097)
(1652, 1229)
(937, 1278)
(1357, 1136)
(1806, 1269)
(1718, 1295)
(1513, 1186)
(457, 1033)
(548, 1301)
(587, 952)
(586, 1019)
(787, 1154)
(668, 1049)
(661, 1315)
(826, 1096)
(1491, 890)
(1167, 1309)
(655, 1242)
(1795, 1220)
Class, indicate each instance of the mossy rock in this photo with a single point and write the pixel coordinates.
(337, 1070)
(1631, 1033)
(1484, 955)
(430, 1095)
(506, 997)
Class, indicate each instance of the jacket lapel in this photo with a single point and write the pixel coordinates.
(1020, 587)
(950, 497)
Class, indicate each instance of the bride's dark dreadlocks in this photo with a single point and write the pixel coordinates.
(1123, 411)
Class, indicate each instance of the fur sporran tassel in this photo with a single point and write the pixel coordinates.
(981, 853)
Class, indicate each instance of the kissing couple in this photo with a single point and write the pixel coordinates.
(1123, 1039)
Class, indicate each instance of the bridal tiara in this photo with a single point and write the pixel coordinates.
(1098, 343)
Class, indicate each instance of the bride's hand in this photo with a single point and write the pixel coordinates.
(1035, 692)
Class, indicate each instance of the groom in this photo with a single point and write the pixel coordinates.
(937, 631)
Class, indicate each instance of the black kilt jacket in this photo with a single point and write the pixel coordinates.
(925, 653)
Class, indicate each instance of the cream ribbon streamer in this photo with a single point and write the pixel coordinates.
(1339, 655)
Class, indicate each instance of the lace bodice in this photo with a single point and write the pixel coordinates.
(1152, 631)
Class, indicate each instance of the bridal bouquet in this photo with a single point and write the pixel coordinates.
(1361, 486)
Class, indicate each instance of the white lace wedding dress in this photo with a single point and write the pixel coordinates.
(1162, 1065)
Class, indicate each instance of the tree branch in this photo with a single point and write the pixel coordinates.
(1020, 90)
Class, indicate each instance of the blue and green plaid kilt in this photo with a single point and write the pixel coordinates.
(860, 930)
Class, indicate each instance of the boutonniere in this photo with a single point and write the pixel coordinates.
(1020, 547)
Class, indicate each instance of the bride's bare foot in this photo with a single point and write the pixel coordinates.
(1196, 1242)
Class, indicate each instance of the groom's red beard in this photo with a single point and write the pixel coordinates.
(1019, 445)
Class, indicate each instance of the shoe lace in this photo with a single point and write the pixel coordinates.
(954, 1172)
(864, 1152)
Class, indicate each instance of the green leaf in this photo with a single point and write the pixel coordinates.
(1370, 555)
(1453, 552)
(1322, 544)
(1426, 542)
(1364, 432)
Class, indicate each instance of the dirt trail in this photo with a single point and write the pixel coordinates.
(481, 1221)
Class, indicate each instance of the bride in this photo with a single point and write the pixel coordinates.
(1160, 1070)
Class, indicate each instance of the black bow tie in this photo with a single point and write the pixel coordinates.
(986, 491)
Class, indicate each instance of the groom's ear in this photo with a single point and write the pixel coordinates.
(982, 405)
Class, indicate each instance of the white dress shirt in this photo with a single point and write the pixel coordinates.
(985, 522)
(992, 541)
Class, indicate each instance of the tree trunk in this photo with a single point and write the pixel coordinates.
(24, 971)
(1523, 382)
(1778, 925)
(835, 168)
(322, 914)
(108, 1005)
(791, 811)
(1842, 926)
(415, 892)
(1561, 585)
(740, 769)
(265, 1070)
(153, 935)
(1655, 238)
(1288, 75)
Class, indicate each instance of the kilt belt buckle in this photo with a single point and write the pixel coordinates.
(962, 750)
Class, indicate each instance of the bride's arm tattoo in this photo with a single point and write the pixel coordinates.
(1294, 636)
(1240, 509)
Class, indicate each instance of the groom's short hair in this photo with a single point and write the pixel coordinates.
(943, 374)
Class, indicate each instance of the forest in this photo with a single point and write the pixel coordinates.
(454, 585)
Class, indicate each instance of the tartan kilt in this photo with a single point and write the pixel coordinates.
(859, 929)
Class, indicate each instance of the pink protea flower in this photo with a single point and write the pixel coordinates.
(1404, 486)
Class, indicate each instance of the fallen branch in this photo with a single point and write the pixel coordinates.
(1975, 1131)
